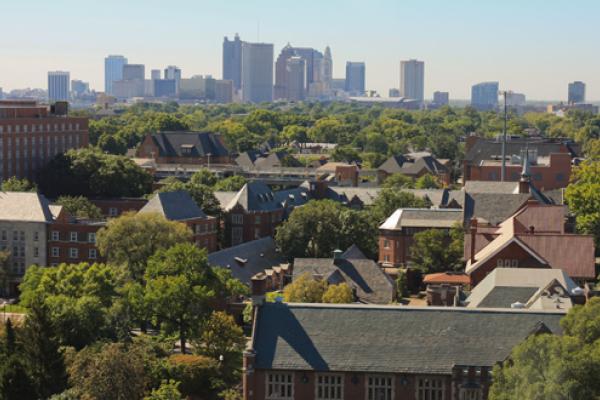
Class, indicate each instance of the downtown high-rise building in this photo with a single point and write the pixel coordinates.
(317, 76)
(173, 73)
(232, 61)
(484, 96)
(58, 86)
(155, 74)
(412, 79)
(296, 82)
(257, 72)
(441, 98)
(113, 71)
(576, 92)
(355, 78)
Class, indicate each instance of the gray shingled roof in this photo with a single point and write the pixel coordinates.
(258, 255)
(391, 339)
(486, 149)
(169, 144)
(257, 196)
(493, 207)
(371, 283)
(504, 296)
(411, 166)
(174, 206)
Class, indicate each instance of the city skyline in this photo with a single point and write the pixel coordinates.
(440, 34)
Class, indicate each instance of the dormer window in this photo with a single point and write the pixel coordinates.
(186, 149)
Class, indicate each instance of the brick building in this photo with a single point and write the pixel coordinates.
(72, 240)
(533, 237)
(256, 210)
(397, 232)
(32, 134)
(550, 160)
(179, 206)
(415, 165)
(358, 352)
(112, 208)
(184, 148)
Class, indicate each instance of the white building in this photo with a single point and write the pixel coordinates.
(412, 79)
(59, 83)
(257, 72)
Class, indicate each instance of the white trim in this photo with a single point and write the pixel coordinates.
(513, 239)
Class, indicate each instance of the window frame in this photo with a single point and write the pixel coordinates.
(435, 393)
(376, 386)
(272, 386)
(338, 388)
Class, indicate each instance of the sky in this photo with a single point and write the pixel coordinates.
(530, 46)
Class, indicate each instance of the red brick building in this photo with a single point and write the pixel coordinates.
(534, 237)
(32, 134)
(112, 208)
(255, 211)
(550, 160)
(184, 148)
(358, 352)
(397, 232)
(179, 206)
(72, 240)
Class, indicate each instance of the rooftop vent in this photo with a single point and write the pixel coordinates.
(577, 291)
(517, 304)
(240, 260)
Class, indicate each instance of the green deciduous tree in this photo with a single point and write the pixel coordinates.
(434, 250)
(80, 207)
(427, 181)
(398, 181)
(305, 289)
(14, 184)
(168, 390)
(131, 239)
(339, 294)
(230, 184)
(583, 197)
(389, 200)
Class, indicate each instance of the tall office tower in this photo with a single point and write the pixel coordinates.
(484, 96)
(155, 74)
(412, 79)
(314, 76)
(576, 92)
(32, 134)
(441, 98)
(113, 71)
(79, 88)
(174, 73)
(257, 72)
(355, 78)
(232, 61)
(327, 67)
(223, 91)
(133, 71)
(58, 86)
(280, 90)
(296, 83)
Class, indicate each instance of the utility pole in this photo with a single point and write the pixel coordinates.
(503, 171)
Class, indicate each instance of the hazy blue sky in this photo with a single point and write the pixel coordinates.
(530, 46)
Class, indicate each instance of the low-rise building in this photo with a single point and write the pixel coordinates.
(415, 165)
(179, 206)
(184, 148)
(327, 351)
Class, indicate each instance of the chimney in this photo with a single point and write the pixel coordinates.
(337, 256)
(473, 229)
(258, 288)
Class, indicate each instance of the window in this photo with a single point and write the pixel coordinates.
(55, 251)
(380, 387)
(55, 236)
(237, 219)
(330, 387)
(3, 235)
(236, 235)
(257, 219)
(280, 386)
(22, 235)
(73, 252)
(430, 389)
(15, 235)
(470, 394)
(514, 263)
(92, 237)
(386, 244)
(560, 177)
(36, 252)
(73, 236)
(386, 258)
(113, 212)
(36, 236)
(92, 254)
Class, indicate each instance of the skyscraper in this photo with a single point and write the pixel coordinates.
(296, 83)
(257, 72)
(441, 98)
(133, 71)
(79, 88)
(314, 63)
(113, 71)
(412, 79)
(280, 90)
(327, 67)
(484, 96)
(576, 92)
(155, 74)
(173, 73)
(232, 61)
(58, 86)
(355, 77)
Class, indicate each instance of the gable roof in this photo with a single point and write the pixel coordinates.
(413, 164)
(359, 338)
(174, 206)
(248, 259)
(423, 218)
(493, 207)
(485, 149)
(24, 207)
(200, 144)
(257, 196)
(372, 285)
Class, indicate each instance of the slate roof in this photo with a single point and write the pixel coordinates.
(392, 339)
(174, 206)
(24, 207)
(257, 196)
(371, 283)
(484, 149)
(170, 144)
(367, 195)
(258, 255)
(504, 296)
(413, 164)
(493, 207)
(423, 218)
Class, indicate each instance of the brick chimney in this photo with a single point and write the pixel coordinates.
(248, 376)
(473, 230)
(258, 288)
